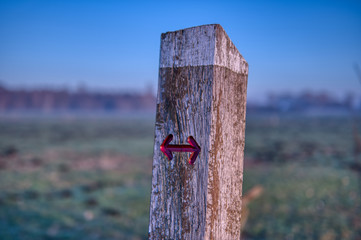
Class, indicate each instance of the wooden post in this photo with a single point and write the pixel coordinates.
(201, 93)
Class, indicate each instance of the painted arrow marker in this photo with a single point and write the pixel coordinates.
(167, 149)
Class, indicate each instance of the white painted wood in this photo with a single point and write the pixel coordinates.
(199, 46)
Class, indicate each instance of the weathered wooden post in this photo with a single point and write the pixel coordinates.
(201, 93)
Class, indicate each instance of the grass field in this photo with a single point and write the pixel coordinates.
(90, 178)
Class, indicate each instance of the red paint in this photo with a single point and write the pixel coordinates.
(167, 149)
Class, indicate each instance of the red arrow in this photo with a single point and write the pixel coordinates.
(168, 149)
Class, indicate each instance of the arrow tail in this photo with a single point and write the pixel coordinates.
(181, 148)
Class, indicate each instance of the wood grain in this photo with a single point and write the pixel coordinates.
(201, 93)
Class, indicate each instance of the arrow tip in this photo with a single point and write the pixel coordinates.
(194, 155)
(164, 147)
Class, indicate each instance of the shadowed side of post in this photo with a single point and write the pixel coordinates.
(227, 139)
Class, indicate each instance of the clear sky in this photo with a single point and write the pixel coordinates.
(114, 45)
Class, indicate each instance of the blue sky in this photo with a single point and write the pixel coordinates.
(114, 45)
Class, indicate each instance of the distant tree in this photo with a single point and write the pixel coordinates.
(358, 71)
(356, 135)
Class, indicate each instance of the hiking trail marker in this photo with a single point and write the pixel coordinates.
(201, 93)
(193, 147)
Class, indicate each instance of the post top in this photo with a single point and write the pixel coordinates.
(201, 46)
(200, 26)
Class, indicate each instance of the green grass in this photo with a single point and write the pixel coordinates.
(131, 136)
(303, 202)
(60, 199)
(91, 178)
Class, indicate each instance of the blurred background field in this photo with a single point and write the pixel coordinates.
(90, 178)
